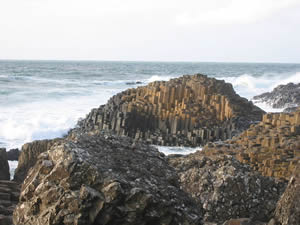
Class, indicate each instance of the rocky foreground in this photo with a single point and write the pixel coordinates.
(103, 180)
(98, 176)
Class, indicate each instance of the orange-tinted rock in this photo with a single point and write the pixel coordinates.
(271, 147)
(188, 111)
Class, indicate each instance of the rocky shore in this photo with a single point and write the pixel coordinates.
(104, 172)
(282, 97)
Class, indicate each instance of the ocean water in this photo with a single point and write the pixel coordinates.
(44, 99)
(12, 167)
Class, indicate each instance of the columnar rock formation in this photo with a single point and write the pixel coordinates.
(188, 111)
(29, 155)
(226, 188)
(9, 196)
(4, 167)
(271, 147)
(103, 180)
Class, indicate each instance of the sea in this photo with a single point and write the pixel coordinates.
(44, 99)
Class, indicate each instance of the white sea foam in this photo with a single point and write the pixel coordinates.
(12, 167)
(158, 78)
(249, 86)
(177, 150)
(45, 119)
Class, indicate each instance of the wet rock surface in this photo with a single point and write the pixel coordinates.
(28, 156)
(226, 188)
(9, 196)
(4, 167)
(103, 180)
(283, 96)
(271, 147)
(187, 111)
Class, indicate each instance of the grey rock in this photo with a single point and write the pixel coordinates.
(13, 154)
(29, 155)
(226, 188)
(103, 180)
(9, 196)
(283, 96)
(288, 207)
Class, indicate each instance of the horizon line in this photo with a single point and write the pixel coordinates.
(149, 61)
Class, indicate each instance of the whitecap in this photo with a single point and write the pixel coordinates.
(177, 150)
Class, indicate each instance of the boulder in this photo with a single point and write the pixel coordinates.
(283, 96)
(187, 111)
(103, 180)
(226, 188)
(28, 156)
(13, 154)
(288, 207)
(4, 167)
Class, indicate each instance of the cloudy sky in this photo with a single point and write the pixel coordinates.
(152, 30)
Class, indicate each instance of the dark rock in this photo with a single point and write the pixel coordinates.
(290, 109)
(288, 207)
(226, 188)
(29, 155)
(9, 196)
(243, 221)
(283, 96)
(103, 180)
(134, 82)
(187, 111)
(5, 220)
(13, 154)
(4, 167)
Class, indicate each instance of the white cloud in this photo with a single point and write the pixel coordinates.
(149, 30)
(237, 12)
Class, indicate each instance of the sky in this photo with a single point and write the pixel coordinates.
(156, 30)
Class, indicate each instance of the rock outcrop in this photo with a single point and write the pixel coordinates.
(103, 180)
(187, 111)
(288, 208)
(243, 221)
(283, 96)
(4, 167)
(29, 155)
(13, 154)
(9, 196)
(271, 147)
(226, 188)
